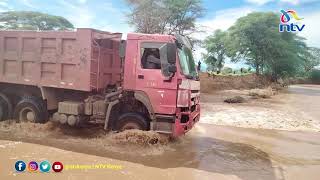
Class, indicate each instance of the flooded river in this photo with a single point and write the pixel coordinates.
(207, 152)
(294, 109)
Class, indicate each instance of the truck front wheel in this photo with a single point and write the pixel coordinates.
(30, 109)
(132, 121)
(5, 107)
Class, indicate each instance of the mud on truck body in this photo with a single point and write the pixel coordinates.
(93, 76)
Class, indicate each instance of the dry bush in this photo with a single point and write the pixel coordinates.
(262, 93)
(235, 99)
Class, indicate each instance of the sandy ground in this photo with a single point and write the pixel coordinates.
(294, 109)
(207, 152)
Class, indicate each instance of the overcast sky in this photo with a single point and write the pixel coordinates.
(110, 15)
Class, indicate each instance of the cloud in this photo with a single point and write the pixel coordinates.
(222, 20)
(293, 2)
(104, 17)
(259, 2)
(5, 6)
(3, 3)
(78, 15)
(82, 1)
(311, 30)
(28, 3)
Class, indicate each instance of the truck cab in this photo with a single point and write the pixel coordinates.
(169, 87)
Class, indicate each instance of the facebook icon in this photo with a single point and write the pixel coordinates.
(20, 166)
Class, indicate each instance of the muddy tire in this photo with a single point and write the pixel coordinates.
(31, 109)
(132, 121)
(5, 107)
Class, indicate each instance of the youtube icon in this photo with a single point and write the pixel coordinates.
(57, 166)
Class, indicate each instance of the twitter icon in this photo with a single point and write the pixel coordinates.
(45, 166)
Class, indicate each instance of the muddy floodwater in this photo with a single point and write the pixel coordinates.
(293, 109)
(207, 152)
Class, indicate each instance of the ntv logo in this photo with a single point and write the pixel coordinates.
(285, 18)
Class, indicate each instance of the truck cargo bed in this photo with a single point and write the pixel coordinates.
(85, 59)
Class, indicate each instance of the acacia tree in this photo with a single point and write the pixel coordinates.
(311, 58)
(216, 50)
(147, 16)
(165, 16)
(29, 20)
(182, 15)
(255, 38)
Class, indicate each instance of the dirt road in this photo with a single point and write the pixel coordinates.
(207, 152)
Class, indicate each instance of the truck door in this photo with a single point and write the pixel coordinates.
(162, 92)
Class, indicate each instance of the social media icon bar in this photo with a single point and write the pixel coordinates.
(57, 166)
(20, 166)
(32, 166)
(45, 166)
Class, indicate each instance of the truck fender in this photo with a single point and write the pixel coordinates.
(144, 99)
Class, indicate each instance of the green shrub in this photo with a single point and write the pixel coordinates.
(315, 76)
(227, 70)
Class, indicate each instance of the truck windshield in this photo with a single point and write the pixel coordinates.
(187, 64)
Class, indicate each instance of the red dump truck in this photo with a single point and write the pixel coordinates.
(146, 82)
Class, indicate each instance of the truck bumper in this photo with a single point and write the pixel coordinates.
(181, 127)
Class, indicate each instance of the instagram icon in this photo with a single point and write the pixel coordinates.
(32, 166)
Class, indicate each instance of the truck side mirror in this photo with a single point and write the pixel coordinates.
(168, 52)
(173, 68)
(168, 59)
(171, 53)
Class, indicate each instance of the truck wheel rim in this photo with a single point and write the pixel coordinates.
(130, 125)
(27, 114)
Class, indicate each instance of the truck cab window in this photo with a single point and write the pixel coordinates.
(150, 58)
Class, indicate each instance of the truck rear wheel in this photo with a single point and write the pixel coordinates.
(132, 121)
(5, 107)
(30, 109)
